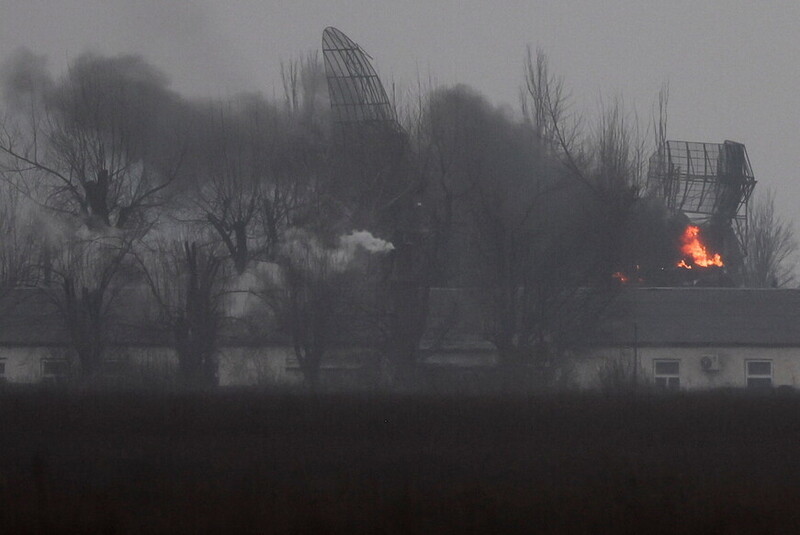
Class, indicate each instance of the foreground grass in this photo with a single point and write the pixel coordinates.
(238, 461)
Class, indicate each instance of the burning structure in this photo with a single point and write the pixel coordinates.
(708, 184)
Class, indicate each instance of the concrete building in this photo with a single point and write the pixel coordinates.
(681, 338)
(699, 338)
(675, 338)
(34, 343)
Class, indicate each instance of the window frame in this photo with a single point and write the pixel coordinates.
(758, 378)
(671, 381)
(54, 377)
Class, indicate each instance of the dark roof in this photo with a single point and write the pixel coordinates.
(662, 316)
(455, 321)
(30, 317)
(704, 316)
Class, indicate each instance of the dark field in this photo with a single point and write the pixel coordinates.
(236, 461)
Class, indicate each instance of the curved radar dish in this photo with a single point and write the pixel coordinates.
(356, 92)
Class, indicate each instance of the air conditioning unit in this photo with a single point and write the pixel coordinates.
(710, 363)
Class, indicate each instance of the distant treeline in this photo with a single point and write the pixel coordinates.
(111, 179)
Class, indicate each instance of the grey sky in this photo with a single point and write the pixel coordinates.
(731, 65)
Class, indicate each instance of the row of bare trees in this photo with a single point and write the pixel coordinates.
(137, 187)
(533, 214)
(113, 181)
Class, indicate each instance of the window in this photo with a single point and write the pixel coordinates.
(54, 370)
(2, 369)
(758, 373)
(667, 373)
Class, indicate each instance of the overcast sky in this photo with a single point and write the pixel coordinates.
(731, 65)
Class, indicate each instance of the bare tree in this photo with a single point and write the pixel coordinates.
(240, 193)
(188, 283)
(304, 90)
(86, 272)
(326, 297)
(19, 249)
(261, 168)
(516, 220)
(771, 246)
(546, 106)
(609, 160)
(535, 215)
(362, 177)
(98, 139)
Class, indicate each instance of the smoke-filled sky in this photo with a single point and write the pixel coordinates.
(731, 65)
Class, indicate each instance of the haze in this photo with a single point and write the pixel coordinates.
(730, 65)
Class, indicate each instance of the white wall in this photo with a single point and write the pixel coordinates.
(23, 364)
(268, 365)
(785, 365)
(255, 366)
(237, 366)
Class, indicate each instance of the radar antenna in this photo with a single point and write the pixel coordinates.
(710, 183)
(356, 92)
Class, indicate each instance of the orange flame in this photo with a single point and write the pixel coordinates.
(694, 250)
(620, 276)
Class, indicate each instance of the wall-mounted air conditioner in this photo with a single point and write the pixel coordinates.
(710, 363)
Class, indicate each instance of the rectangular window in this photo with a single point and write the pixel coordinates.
(54, 369)
(667, 373)
(758, 373)
(2, 369)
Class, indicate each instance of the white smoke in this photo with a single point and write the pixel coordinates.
(349, 245)
(302, 248)
(305, 249)
(366, 240)
(245, 288)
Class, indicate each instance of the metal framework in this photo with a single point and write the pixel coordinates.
(356, 92)
(709, 182)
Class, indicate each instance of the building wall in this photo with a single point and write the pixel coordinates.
(732, 372)
(24, 364)
(256, 366)
(237, 366)
(29, 364)
(272, 365)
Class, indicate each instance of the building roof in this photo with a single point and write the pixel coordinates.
(704, 316)
(638, 316)
(30, 317)
(26, 315)
(645, 316)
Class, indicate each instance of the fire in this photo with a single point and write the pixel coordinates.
(621, 277)
(695, 251)
(631, 275)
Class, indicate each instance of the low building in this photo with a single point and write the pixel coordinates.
(700, 338)
(680, 338)
(34, 344)
(675, 338)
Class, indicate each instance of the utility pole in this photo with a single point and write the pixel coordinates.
(635, 355)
